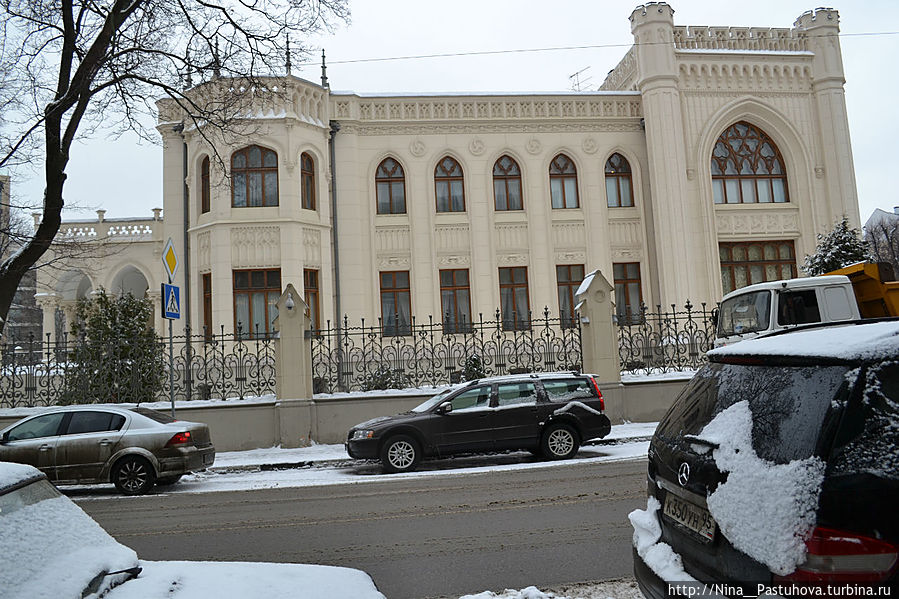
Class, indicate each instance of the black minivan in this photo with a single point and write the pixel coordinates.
(778, 465)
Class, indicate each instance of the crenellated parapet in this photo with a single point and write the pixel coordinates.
(747, 39)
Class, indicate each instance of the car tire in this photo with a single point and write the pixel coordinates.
(400, 454)
(133, 475)
(559, 442)
(168, 480)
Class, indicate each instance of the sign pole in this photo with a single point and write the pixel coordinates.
(171, 368)
(171, 309)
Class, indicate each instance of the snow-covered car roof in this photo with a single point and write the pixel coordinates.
(854, 342)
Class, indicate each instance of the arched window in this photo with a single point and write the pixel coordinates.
(619, 191)
(747, 167)
(254, 177)
(205, 191)
(307, 183)
(391, 187)
(563, 182)
(448, 181)
(507, 184)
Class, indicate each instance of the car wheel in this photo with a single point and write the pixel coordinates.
(400, 454)
(560, 442)
(133, 475)
(168, 480)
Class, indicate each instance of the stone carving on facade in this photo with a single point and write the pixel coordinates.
(589, 145)
(819, 172)
(312, 246)
(691, 174)
(570, 257)
(777, 221)
(451, 237)
(533, 146)
(454, 260)
(417, 148)
(569, 235)
(204, 250)
(393, 261)
(255, 247)
(512, 259)
(626, 232)
(509, 236)
(389, 239)
(476, 146)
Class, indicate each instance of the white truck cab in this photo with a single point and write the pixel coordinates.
(765, 307)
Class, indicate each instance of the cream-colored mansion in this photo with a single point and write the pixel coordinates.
(710, 159)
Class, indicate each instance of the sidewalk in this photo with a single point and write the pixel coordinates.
(273, 458)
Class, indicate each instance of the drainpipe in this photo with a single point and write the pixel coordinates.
(335, 127)
(186, 309)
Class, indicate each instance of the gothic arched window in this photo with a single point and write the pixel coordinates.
(747, 168)
(390, 186)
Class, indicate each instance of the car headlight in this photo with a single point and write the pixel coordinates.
(361, 434)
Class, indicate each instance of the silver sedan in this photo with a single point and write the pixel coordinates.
(134, 448)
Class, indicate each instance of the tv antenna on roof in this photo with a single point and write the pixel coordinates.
(578, 84)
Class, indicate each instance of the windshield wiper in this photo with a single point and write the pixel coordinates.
(701, 441)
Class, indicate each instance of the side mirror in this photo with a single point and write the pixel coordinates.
(445, 408)
(5, 438)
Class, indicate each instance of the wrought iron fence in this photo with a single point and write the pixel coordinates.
(204, 366)
(665, 341)
(365, 357)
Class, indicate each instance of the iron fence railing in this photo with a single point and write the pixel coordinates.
(222, 366)
(364, 357)
(665, 341)
(346, 358)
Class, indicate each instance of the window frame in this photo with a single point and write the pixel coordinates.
(205, 186)
(459, 323)
(623, 285)
(563, 172)
(503, 178)
(567, 289)
(270, 297)
(307, 182)
(617, 175)
(391, 179)
(206, 286)
(514, 323)
(247, 172)
(311, 291)
(447, 177)
(755, 181)
(399, 295)
(731, 265)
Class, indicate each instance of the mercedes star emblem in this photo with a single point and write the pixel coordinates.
(683, 474)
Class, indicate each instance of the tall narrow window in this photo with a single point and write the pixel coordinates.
(448, 181)
(513, 298)
(205, 190)
(628, 295)
(307, 183)
(619, 191)
(207, 305)
(507, 184)
(747, 168)
(455, 300)
(396, 310)
(746, 263)
(255, 295)
(254, 177)
(563, 182)
(310, 294)
(390, 183)
(568, 279)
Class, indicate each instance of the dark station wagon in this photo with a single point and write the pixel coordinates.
(550, 414)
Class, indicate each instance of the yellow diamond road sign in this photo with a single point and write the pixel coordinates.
(170, 259)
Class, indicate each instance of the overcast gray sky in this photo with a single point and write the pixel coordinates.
(124, 177)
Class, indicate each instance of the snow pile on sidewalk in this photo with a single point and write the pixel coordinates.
(609, 589)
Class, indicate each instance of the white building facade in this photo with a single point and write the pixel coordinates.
(709, 159)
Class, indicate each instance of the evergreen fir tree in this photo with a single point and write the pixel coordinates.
(839, 247)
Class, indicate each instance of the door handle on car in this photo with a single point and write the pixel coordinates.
(45, 447)
(105, 443)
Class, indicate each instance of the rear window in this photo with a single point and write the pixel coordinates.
(568, 390)
(154, 415)
(788, 405)
(872, 428)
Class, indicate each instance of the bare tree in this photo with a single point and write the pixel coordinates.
(882, 237)
(72, 67)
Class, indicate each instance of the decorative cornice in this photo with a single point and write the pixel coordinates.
(441, 129)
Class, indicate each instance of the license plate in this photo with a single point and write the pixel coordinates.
(697, 519)
(207, 459)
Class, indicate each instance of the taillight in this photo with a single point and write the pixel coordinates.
(602, 402)
(179, 439)
(840, 556)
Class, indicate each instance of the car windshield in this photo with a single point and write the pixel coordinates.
(26, 495)
(429, 404)
(748, 313)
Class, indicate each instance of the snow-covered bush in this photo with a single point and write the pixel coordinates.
(839, 247)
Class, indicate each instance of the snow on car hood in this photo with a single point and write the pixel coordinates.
(373, 421)
(766, 510)
(52, 549)
(242, 580)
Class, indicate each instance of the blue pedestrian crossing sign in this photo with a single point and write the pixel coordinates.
(171, 301)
